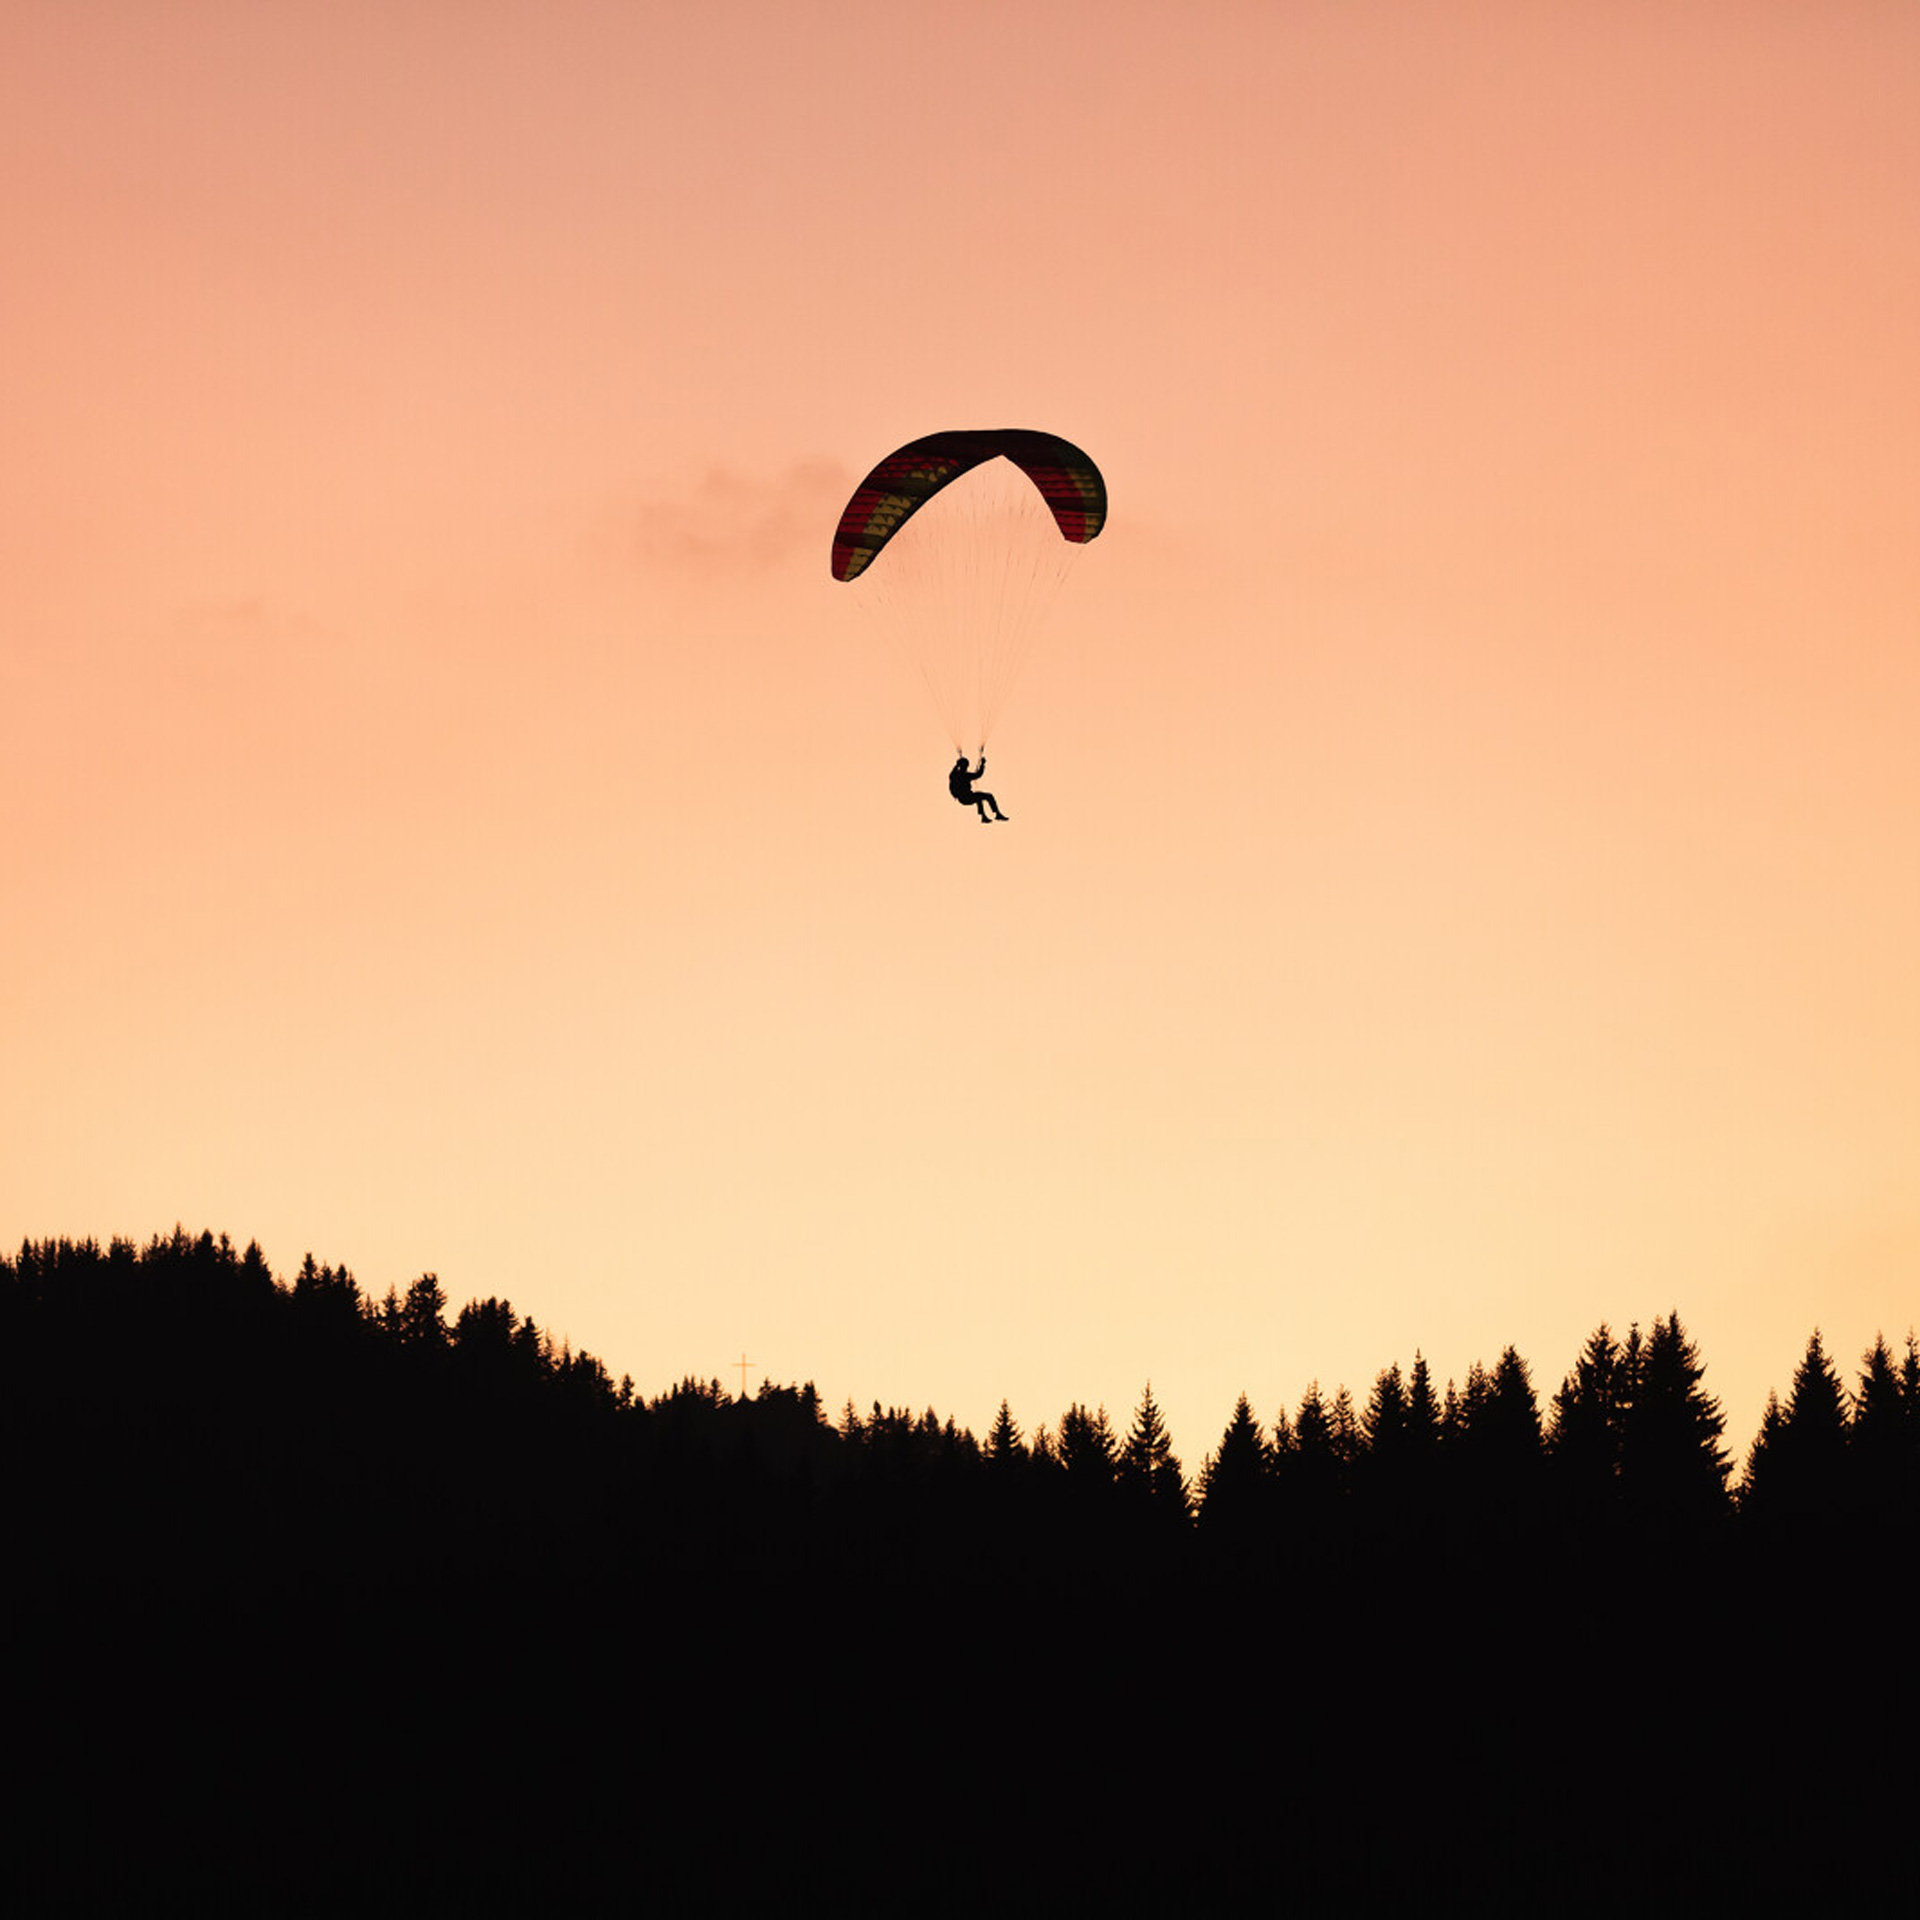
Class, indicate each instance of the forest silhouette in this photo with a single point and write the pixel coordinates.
(320, 1602)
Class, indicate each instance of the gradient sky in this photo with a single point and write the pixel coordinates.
(1466, 810)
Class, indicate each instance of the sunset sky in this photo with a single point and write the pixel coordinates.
(1463, 881)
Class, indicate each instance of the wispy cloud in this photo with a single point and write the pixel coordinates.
(750, 524)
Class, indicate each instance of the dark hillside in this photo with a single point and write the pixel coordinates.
(323, 1604)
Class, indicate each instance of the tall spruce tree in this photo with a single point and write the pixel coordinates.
(1394, 1482)
(1757, 1482)
(1583, 1436)
(1626, 1378)
(1235, 1481)
(1673, 1470)
(1348, 1441)
(1817, 1412)
(422, 1320)
(1380, 1478)
(1148, 1472)
(1384, 1424)
(1005, 1450)
(1801, 1473)
(1312, 1475)
(1878, 1439)
(1424, 1421)
(1511, 1415)
(1087, 1449)
(1494, 1457)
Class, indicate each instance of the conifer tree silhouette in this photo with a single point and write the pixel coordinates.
(1760, 1459)
(1494, 1453)
(1814, 1438)
(1384, 1424)
(1005, 1450)
(1422, 1449)
(327, 1297)
(1907, 1480)
(1583, 1439)
(1148, 1473)
(1673, 1471)
(1626, 1378)
(1235, 1481)
(1797, 1472)
(1511, 1416)
(484, 1329)
(1423, 1410)
(1385, 1466)
(1343, 1424)
(1880, 1440)
(1312, 1473)
(1087, 1450)
(422, 1317)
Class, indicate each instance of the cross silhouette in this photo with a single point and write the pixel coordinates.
(743, 1363)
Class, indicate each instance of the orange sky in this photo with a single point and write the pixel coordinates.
(1462, 877)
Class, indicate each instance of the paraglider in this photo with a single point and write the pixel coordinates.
(957, 544)
(960, 784)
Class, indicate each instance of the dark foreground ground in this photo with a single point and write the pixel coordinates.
(685, 1750)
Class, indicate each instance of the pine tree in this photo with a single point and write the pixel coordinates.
(1384, 1425)
(1583, 1420)
(1673, 1471)
(1312, 1478)
(1583, 1437)
(1234, 1483)
(1399, 1437)
(1344, 1427)
(484, 1326)
(1423, 1436)
(1494, 1454)
(327, 1299)
(421, 1313)
(1817, 1409)
(1757, 1481)
(1005, 1449)
(1148, 1472)
(1464, 1409)
(1511, 1414)
(1802, 1471)
(533, 1346)
(1878, 1407)
(1087, 1448)
(1880, 1437)
(1313, 1426)
(1626, 1376)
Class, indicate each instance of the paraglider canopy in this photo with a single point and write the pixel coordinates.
(910, 476)
(962, 589)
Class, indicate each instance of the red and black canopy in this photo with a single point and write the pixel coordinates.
(910, 476)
